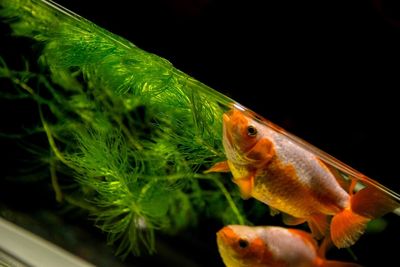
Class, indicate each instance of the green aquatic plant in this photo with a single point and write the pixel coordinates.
(129, 136)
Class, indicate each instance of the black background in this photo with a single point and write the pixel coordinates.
(327, 71)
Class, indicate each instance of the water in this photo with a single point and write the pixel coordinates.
(126, 138)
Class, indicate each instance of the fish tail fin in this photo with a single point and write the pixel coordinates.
(329, 263)
(367, 204)
(347, 227)
(373, 203)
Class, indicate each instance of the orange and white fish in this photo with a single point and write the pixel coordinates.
(276, 170)
(271, 246)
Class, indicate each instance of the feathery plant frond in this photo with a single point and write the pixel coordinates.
(133, 131)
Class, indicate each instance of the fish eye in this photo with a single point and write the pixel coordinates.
(243, 243)
(251, 131)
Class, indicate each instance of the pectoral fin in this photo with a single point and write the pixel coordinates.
(246, 185)
(219, 167)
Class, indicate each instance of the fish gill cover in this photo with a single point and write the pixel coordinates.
(128, 135)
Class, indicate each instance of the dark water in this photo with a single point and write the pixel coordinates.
(324, 71)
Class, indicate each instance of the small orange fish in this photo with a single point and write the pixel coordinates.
(272, 168)
(270, 246)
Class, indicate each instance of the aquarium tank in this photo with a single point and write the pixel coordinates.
(112, 118)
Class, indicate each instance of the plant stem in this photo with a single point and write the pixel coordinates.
(224, 191)
(54, 181)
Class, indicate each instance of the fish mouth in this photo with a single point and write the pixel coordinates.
(237, 153)
(222, 242)
(221, 235)
(227, 124)
(225, 235)
(225, 239)
(224, 247)
(226, 116)
(227, 121)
